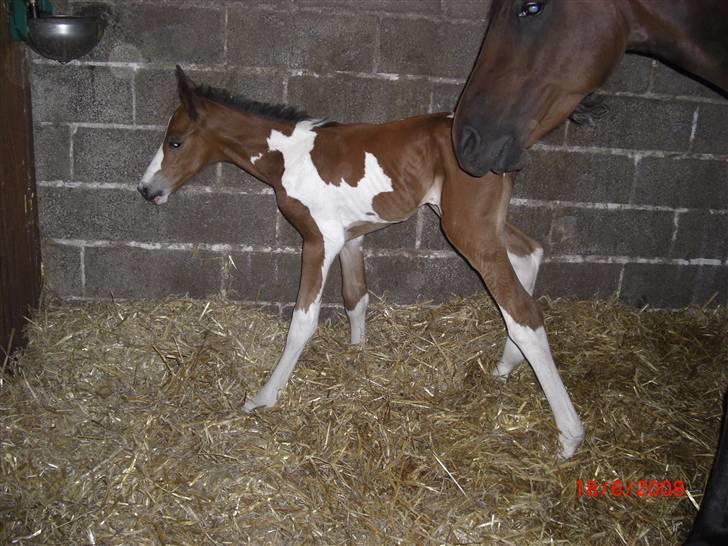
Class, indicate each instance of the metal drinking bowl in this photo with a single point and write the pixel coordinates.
(64, 37)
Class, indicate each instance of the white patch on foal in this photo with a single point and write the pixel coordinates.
(333, 208)
(255, 158)
(535, 347)
(526, 269)
(357, 320)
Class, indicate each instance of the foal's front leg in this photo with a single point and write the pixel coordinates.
(525, 256)
(468, 204)
(315, 262)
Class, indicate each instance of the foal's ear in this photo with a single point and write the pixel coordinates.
(187, 94)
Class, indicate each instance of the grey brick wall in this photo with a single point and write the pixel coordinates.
(637, 206)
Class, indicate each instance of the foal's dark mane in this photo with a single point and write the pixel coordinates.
(279, 112)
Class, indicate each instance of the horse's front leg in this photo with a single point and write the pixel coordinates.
(315, 262)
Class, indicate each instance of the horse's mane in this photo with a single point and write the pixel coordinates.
(280, 112)
(590, 109)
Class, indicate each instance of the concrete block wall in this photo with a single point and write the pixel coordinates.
(637, 206)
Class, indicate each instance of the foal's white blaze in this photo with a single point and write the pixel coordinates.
(535, 347)
(154, 167)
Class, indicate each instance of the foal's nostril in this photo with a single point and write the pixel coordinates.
(144, 190)
(470, 142)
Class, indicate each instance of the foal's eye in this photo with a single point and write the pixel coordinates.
(174, 144)
(531, 8)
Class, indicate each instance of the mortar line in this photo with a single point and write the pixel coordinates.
(633, 184)
(71, 138)
(693, 129)
(675, 228)
(133, 80)
(620, 281)
(377, 57)
(82, 253)
(227, 248)
(627, 152)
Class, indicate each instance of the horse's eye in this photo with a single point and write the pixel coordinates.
(531, 8)
(174, 144)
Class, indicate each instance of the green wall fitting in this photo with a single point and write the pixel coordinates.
(18, 16)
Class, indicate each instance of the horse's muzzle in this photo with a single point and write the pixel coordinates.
(478, 154)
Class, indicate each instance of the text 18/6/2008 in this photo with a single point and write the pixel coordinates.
(639, 488)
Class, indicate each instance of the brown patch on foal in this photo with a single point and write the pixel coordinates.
(336, 161)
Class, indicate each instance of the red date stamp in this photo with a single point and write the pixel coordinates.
(639, 488)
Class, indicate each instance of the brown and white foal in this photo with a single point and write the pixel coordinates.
(337, 182)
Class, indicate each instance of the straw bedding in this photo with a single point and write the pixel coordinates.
(121, 423)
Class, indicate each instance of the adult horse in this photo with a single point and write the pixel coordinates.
(539, 59)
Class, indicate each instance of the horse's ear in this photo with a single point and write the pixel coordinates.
(187, 94)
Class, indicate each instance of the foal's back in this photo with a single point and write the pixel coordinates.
(412, 152)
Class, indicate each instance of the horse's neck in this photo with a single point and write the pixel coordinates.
(689, 34)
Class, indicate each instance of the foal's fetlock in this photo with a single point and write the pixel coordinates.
(501, 375)
(260, 400)
(570, 443)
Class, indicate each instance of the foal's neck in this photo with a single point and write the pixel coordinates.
(690, 34)
(243, 140)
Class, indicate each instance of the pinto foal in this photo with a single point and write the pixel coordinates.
(337, 182)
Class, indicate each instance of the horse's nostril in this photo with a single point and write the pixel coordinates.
(470, 142)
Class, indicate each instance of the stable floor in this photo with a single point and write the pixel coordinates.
(121, 423)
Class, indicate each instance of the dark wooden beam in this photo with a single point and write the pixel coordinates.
(20, 266)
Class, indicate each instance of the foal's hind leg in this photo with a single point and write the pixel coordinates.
(354, 288)
(474, 221)
(316, 260)
(525, 256)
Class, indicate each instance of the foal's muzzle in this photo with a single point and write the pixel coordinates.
(147, 194)
(155, 190)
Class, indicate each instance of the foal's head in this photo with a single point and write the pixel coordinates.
(538, 60)
(189, 144)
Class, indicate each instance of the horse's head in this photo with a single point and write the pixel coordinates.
(537, 62)
(187, 146)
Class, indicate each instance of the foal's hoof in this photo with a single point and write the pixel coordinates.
(502, 377)
(249, 406)
(569, 445)
(257, 402)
